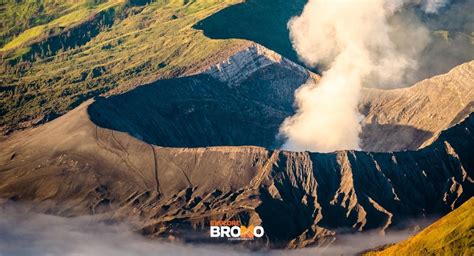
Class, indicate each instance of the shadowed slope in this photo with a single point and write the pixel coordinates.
(72, 167)
(132, 44)
(196, 111)
(261, 21)
(241, 101)
(140, 41)
(87, 162)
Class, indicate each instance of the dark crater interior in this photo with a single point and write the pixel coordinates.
(200, 111)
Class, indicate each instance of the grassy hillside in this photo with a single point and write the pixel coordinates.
(16, 17)
(111, 44)
(451, 235)
(27, 21)
(57, 53)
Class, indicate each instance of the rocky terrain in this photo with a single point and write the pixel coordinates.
(144, 156)
(410, 118)
(244, 99)
(241, 101)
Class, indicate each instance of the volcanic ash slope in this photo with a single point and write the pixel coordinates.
(90, 161)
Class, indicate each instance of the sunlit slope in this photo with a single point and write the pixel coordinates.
(129, 44)
(451, 235)
(28, 21)
(18, 19)
(56, 54)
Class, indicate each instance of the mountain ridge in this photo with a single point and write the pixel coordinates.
(74, 166)
(176, 39)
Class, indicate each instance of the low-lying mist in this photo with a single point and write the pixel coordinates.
(25, 233)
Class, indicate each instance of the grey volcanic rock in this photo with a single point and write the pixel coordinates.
(72, 167)
(107, 157)
(243, 64)
(241, 101)
(413, 117)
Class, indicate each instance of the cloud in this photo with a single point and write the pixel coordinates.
(432, 6)
(357, 43)
(23, 233)
(352, 244)
(365, 43)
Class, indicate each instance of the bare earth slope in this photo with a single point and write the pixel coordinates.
(241, 101)
(410, 118)
(83, 163)
(72, 167)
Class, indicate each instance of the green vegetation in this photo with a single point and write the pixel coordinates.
(451, 235)
(25, 20)
(57, 53)
(123, 44)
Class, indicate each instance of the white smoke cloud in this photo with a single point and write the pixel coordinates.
(358, 43)
(432, 6)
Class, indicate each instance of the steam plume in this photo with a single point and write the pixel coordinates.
(358, 43)
(432, 6)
